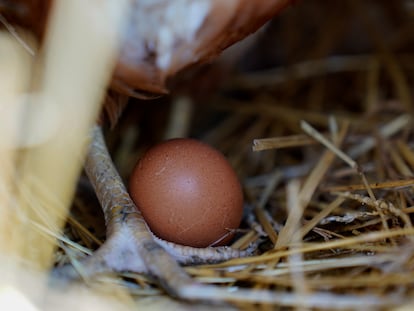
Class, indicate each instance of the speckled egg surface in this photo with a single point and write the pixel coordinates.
(188, 193)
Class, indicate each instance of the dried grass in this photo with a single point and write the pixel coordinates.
(323, 142)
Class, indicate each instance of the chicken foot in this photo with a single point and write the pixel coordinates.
(130, 245)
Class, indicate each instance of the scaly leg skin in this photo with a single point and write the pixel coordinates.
(130, 245)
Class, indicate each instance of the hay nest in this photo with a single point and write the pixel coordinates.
(315, 113)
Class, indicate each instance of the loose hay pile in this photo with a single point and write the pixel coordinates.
(318, 123)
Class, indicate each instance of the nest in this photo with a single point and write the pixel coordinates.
(315, 113)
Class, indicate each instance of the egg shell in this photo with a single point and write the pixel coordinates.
(188, 193)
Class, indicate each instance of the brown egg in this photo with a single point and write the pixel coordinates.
(188, 193)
